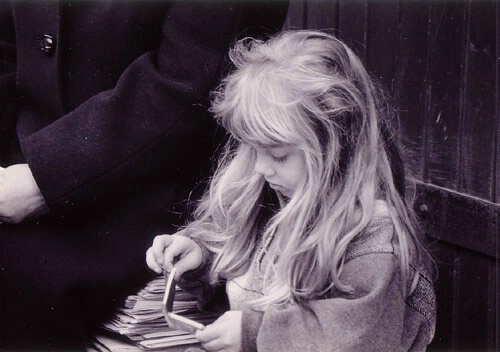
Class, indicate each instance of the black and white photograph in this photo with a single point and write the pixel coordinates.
(249, 175)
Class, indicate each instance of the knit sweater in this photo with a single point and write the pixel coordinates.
(374, 317)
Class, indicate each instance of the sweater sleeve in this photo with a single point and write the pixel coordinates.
(374, 317)
(197, 282)
(367, 319)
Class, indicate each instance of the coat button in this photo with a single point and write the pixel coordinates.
(47, 44)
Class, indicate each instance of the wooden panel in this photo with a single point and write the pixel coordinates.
(465, 249)
(471, 223)
(465, 293)
(446, 47)
(321, 14)
(496, 313)
(471, 331)
(411, 89)
(352, 24)
(440, 57)
(479, 105)
(462, 270)
(458, 219)
(446, 262)
(383, 40)
(493, 307)
(496, 178)
(296, 15)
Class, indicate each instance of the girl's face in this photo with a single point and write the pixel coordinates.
(283, 168)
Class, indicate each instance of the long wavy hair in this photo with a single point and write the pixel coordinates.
(309, 90)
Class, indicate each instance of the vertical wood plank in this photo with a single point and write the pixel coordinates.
(496, 178)
(495, 316)
(352, 25)
(446, 47)
(322, 14)
(496, 313)
(447, 265)
(473, 298)
(431, 208)
(411, 88)
(478, 134)
(296, 15)
(383, 40)
(492, 328)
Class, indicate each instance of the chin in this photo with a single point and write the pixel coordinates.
(286, 194)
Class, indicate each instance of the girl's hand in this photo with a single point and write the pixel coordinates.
(168, 250)
(224, 334)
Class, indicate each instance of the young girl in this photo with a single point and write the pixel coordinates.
(305, 223)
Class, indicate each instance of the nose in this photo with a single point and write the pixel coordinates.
(263, 167)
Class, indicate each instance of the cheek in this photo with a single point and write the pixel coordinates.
(298, 174)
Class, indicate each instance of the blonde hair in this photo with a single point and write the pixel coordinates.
(306, 89)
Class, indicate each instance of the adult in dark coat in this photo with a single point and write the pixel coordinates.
(103, 131)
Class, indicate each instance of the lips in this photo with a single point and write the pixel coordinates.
(279, 189)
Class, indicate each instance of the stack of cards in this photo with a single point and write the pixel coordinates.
(141, 326)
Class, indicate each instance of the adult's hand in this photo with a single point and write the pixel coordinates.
(20, 197)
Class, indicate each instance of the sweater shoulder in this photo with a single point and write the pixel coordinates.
(376, 237)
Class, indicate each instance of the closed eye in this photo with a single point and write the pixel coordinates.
(280, 159)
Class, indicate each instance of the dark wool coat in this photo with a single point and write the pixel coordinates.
(106, 101)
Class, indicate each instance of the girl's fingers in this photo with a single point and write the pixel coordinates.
(209, 333)
(224, 334)
(169, 249)
(189, 262)
(214, 345)
(180, 252)
(177, 248)
(151, 261)
(159, 244)
(168, 258)
(154, 255)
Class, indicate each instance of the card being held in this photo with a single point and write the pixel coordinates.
(176, 321)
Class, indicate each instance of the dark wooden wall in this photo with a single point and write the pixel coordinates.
(440, 61)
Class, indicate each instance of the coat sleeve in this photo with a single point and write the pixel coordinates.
(153, 122)
(7, 41)
(369, 319)
(7, 74)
